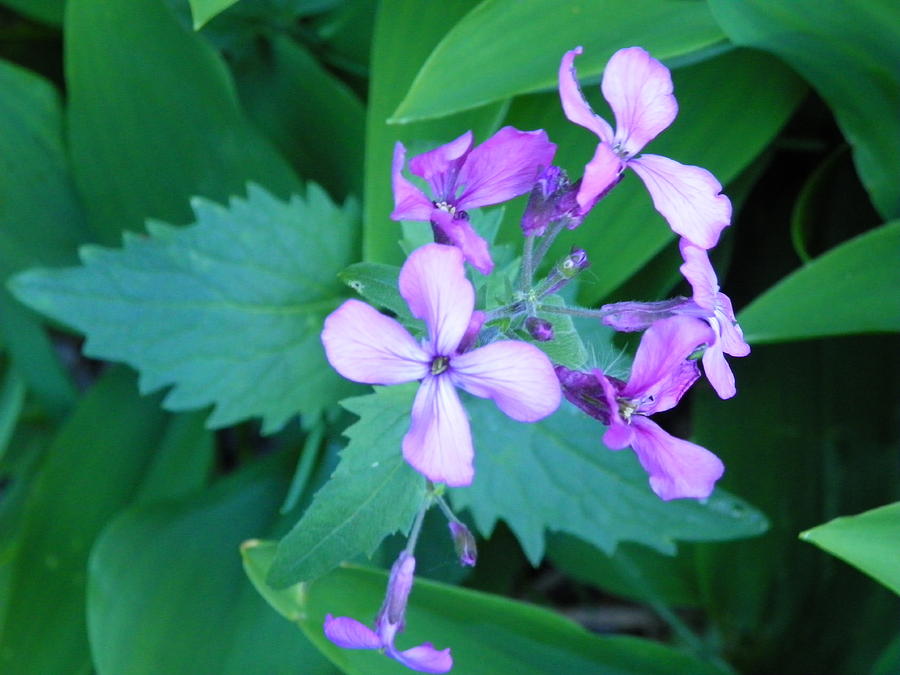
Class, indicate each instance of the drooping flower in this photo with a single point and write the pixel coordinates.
(707, 303)
(718, 312)
(660, 375)
(365, 346)
(462, 177)
(351, 634)
(638, 88)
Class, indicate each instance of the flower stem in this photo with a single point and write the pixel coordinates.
(527, 264)
(547, 242)
(417, 525)
(575, 311)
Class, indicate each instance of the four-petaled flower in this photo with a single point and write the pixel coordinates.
(717, 311)
(660, 375)
(365, 346)
(462, 177)
(351, 634)
(638, 88)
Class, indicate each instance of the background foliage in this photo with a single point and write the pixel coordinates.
(182, 182)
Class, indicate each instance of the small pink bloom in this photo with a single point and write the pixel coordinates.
(365, 346)
(638, 88)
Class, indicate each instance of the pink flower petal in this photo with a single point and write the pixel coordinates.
(619, 434)
(639, 91)
(677, 467)
(505, 166)
(350, 633)
(517, 376)
(731, 336)
(410, 203)
(660, 373)
(688, 197)
(700, 274)
(460, 233)
(433, 283)
(424, 658)
(600, 175)
(576, 108)
(718, 372)
(439, 441)
(439, 167)
(363, 345)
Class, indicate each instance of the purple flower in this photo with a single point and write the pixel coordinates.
(366, 346)
(460, 177)
(351, 634)
(717, 311)
(552, 199)
(638, 88)
(660, 375)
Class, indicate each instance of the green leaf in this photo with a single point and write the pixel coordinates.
(285, 91)
(850, 289)
(624, 232)
(12, 397)
(404, 37)
(566, 347)
(372, 494)
(849, 54)
(92, 470)
(378, 283)
(166, 592)
(867, 541)
(499, 68)
(228, 311)
(488, 634)
(204, 10)
(40, 219)
(48, 11)
(153, 118)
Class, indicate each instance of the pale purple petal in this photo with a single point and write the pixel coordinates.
(638, 88)
(600, 175)
(631, 316)
(619, 434)
(366, 346)
(517, 376)
(350, 633)
(731, 336)
(576, 108)
(400, 584)
(440, 167)
(688, 197)
(505, 166)
(700, 274)
(660, 373)
(439, 441)
(433, 283)
(718, 372)
(424, 658)
(677, 468)
(410, 203)
(458, 230)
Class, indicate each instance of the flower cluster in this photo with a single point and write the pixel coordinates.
(483, 351)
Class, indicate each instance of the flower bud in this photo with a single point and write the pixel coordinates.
(464, 543)
(552, 199)
(540, 329)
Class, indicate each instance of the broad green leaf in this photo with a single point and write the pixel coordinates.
(373, 493)
(92, 470)
(566, 347)
(867, 541)
(40, 219)
(556, 475)
(204, 10)
(166, 592)
(153, 118)
(404, 37)
(624, 232)
(228, 311)
(286, 93)
(12, 397)
(378, 283)
(852, 288)
(48, 11)
(488, 634)
(500, 68)
(850, 54)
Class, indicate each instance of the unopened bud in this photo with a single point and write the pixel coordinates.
(552, 199)
(464, 543)
(573, 263)
(540, 329)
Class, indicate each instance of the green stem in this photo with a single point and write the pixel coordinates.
(527, 264)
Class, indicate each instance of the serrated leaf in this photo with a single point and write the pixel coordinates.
(566, 347)
(557, 475)
(850, 289)
(867, 541)
(373, 493)
(228, 311)
(377, 283)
